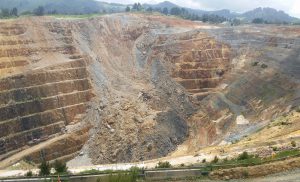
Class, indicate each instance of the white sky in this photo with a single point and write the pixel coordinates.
(291, 7)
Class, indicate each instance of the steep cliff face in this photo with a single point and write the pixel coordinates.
(131, 87)
(44, 87)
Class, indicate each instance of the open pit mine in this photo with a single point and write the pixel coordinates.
(134, 87)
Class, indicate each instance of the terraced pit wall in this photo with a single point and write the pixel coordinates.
(44, 87)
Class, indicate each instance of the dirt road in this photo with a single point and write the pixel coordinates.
(17, 157)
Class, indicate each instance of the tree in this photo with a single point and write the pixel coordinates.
(236, 22)
(14, 12)
(139, 7)
(244, 156)
(205, 18)
(60, 167)
(258, 21)
(44, 168)
(29, 174)
(5, 12)
(165, 11)
(39, 11)
(149, 9)
(127, 9)
(294, 144)
(213, 18)
(135, 6)
(158, 9)
(175, 11)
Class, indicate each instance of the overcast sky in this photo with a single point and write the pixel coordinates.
(292, 7)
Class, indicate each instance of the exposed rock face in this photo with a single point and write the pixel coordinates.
(199, 61)
(259, 87)
(134, 87)
(44, 87)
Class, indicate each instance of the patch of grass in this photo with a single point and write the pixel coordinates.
(243, 159)
(122, 176)
(95, 171)
(225, 160)
(248, 161)
(287, 153)
(23, 165)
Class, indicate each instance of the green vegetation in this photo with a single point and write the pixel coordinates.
(122, 176)
(246, 159)
(85, 7)
(9, 13)
(244, 156)
(287, 153)
(165, 164)
(275, 148)
(293, 143)
(262, 21)
(216, 159)
(182, 13)
(39, 11)
(29, 174)
(95, 171)
(45, 168)
(225, 160)
(132, 176)
(264, 66)
(258, 21)
(137, 7)
(255, 63)
(60, 167)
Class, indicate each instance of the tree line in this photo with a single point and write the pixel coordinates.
(6, 13)
(262, 21)
(180, 12)
(10, 13)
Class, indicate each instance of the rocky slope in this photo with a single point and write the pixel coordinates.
(132, 87)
